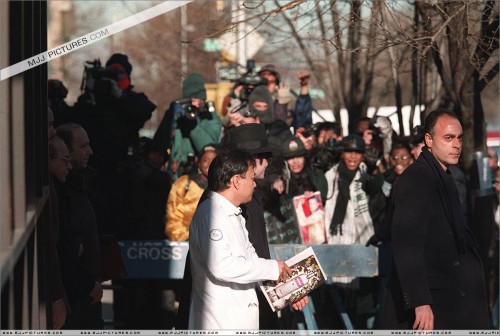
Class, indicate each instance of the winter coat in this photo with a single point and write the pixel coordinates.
(428, 268)
(357, 226)
(206, 129)
(181, 205)
(78, 227)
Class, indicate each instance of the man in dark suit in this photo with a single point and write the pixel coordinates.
(437, 276)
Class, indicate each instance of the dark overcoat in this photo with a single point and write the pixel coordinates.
(428, 268)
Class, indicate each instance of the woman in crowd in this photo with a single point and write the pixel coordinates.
(185, 194)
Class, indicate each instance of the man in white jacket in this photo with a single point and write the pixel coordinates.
(224, 264)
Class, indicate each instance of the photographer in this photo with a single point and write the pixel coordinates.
(377, 134)
(329, 145)
(111, 112)
(279, 90)
(187, 126)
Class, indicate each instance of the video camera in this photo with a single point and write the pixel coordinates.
(190, 111)
(96, 79)
(249, 81)
(327, 154)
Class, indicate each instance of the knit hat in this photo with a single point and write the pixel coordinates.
(122, 60)
(251, 138)
(261, 94)
(293, 147)
(194, 87)
(353, 143)
(271, 69)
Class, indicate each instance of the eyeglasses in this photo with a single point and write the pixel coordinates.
(65, 159)
(404, 157)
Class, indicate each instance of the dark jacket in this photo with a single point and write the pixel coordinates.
(78, 282)
(83, 222)
(112, 124)
(430, 265)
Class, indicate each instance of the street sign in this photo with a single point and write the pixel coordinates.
(254, 41)
(211, 45)
(228, 73)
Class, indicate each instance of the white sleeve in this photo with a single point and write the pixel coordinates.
(227, 254)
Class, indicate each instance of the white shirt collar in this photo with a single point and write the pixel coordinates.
(224, 203)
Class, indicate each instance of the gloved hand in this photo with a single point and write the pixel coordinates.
(374, 241)
(186, 125)
(384, 125)
(284, 96)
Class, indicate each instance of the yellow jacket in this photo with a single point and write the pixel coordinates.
(181, 205)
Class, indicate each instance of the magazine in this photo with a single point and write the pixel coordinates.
(311, 218)
(307, 275)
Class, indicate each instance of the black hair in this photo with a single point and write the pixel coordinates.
(327, 126)
(398, 145)
(225, 166)
(431, 119)
(354, 125)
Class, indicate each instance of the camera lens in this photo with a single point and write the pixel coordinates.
(191, 111)
(249, 114)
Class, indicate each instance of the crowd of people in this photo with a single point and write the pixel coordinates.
(203, 171)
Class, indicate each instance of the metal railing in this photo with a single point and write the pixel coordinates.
(24, 220)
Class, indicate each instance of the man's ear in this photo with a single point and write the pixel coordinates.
(235, 181)
(428, 140)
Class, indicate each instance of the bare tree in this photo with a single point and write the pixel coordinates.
(462, 39)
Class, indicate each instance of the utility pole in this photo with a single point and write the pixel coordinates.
(184, 63)
(238, 15)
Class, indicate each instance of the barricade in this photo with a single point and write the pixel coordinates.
(163, 259)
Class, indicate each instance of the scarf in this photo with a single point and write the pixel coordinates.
(448, 193)
(345, 178)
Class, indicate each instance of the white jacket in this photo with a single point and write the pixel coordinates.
(225, 268)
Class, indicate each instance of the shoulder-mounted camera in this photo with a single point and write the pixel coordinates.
(249, 81)
(191, 111)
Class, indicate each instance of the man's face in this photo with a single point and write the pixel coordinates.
(296, 164)
(246, 185)
(60, 161)
(446, 144)
(260, 106)
(313, 204)
(260, 167)
(271, 79)
(81, 149)
(197, 102)
(352, 159)
(400, 159)
(362, 126)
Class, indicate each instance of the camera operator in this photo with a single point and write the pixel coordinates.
(279, 90)
(188, 125)
(377, 134)
(112, 112)
(329, 145)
